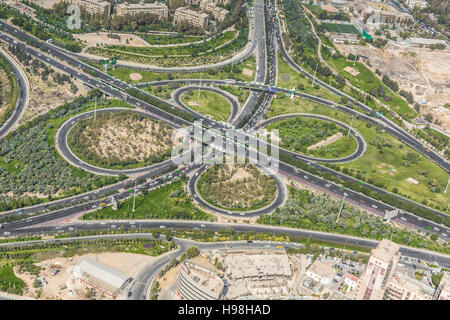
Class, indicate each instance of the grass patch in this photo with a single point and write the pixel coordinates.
(224, 73)
(297, 134)
(289, 78)
(208, 103)
(391, 152)
(167, 202)
(340, 28)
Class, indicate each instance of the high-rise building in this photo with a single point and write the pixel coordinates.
(379, 271)
(93, 6)
(443, 290)
(157, 8)
(197, 19)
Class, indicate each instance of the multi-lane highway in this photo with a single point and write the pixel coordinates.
(116, 88)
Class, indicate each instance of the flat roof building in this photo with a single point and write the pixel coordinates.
(197, 19)
(157, 8)
(344, 38)
(210, 7)
(93, 6)
(195, 282)
(257, 266)
(417, 3)
(416, 42)
(321, 272)
(100, 276)
(402, 287)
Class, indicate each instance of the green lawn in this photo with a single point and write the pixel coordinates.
(340, 28)
(167, 202)
(224, 73)
(155, 39)
(289, 78)
(297, 134)
(365, 168)
(175, 50)
(240, 93)
(208, 103)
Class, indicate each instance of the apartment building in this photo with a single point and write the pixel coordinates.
(210, 7)
(196, 2)
(197, 19)
(402, 287)
(379, 271)
(157, 8)
(417, 3)
(93, 6)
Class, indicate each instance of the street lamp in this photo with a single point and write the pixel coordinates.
(342, 205)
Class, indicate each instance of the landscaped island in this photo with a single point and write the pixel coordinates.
(237, 187)
(121, 139)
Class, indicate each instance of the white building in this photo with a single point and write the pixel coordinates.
(351, 281)
(322, 273)
(100, 276)
(156, 8)
(417, 3)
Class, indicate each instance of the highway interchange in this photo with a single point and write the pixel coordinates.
(261, 92)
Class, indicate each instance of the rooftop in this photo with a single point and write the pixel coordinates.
(386, 250)
(91, 268)
(322, 270)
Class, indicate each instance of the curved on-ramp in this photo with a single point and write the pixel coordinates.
(361, 145)
(22, 99)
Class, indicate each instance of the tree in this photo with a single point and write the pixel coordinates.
(192, 252)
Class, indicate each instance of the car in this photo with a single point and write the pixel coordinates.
(113, 226)
(6, 233)
(103, 223)
(162, 227)
(130, 293)
(202, 225)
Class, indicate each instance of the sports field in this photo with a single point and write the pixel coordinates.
(340, 28)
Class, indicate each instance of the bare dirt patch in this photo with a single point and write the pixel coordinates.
(326, 141)
(352, 71)
(424, 73)
(101, 38)
(247, 72)
(135, 76)
(46, 4)
(60, 285)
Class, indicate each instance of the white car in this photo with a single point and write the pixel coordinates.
(162, 227)
(113, 226)
(6, 233)
(202, 225)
